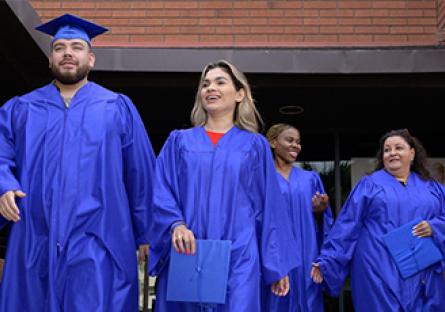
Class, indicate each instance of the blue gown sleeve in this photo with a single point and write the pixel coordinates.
(277, 246)
(8, 180)
(328, 220)
(338, 249)
(139, 164)
(166, 207)
(438, 223)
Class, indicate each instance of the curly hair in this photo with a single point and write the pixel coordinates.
(420, 161)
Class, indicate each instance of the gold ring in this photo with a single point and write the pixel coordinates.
(179, 237)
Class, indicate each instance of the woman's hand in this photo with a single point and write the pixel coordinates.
(422, 229)
(316, 274)
(320, 202)
(281, 288)
(183, 240)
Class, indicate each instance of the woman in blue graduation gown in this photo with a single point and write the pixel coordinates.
(399, 191)
(311, 220)
(225, 190)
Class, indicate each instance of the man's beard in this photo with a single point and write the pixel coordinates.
(69, 78)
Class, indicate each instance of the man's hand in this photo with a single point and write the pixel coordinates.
(143, 252)
(8, 206)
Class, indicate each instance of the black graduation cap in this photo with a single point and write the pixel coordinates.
(70, 26)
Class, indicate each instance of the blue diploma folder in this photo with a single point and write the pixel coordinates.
(202, 277)
(411, 253)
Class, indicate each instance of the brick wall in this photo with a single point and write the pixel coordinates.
(258, 23)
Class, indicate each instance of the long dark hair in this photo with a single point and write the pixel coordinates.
(420, 161)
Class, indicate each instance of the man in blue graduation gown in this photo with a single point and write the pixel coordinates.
(75, 180)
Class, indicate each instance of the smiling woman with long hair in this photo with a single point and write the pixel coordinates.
(217, 181)
(398, 192)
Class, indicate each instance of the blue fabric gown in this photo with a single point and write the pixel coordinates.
(228, 191)
(377, 205)
(298, 191)
(87, 173)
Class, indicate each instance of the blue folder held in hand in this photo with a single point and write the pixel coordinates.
(202, 277)
(411, 253)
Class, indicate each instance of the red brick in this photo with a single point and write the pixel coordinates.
(199, 13)
(355, 38)
(390, 38)
(184, 4)
(215, 21)
(427, 39)
(321, 38)
(250, 38)
(162, 29)
(286, 4)
(147, 38)
(372, 13)
(111, 22)
(163, 13)
(266, 30)
(113, 4)
(389, 21)
(302, 30)
(182, 38)
(128, 13)
(216, 4)
(113, 38)
(250, 21)
(127, 30)
(285, 21)
(372, 29)
(146, 22)
(266, 13)
(316, 4)
(181, 21)
(407, 13)
(421, 4)
(357, 4)
(98, 14)
(78, 5)
(337, 13)
(45, 5)
(239, 4)
(147, 5)
(422, 21)
(216, 38)
(302, 13)
(336, 29)
(429, 13)
(194, 30)
(319, 21)
(388, 4)
(406, 29)
(232, 13)
(285, 38)
(354, 21)
(231, 30)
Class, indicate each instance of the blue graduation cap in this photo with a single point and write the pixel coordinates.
(411, 253)
(202, 277)
(70, 26)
